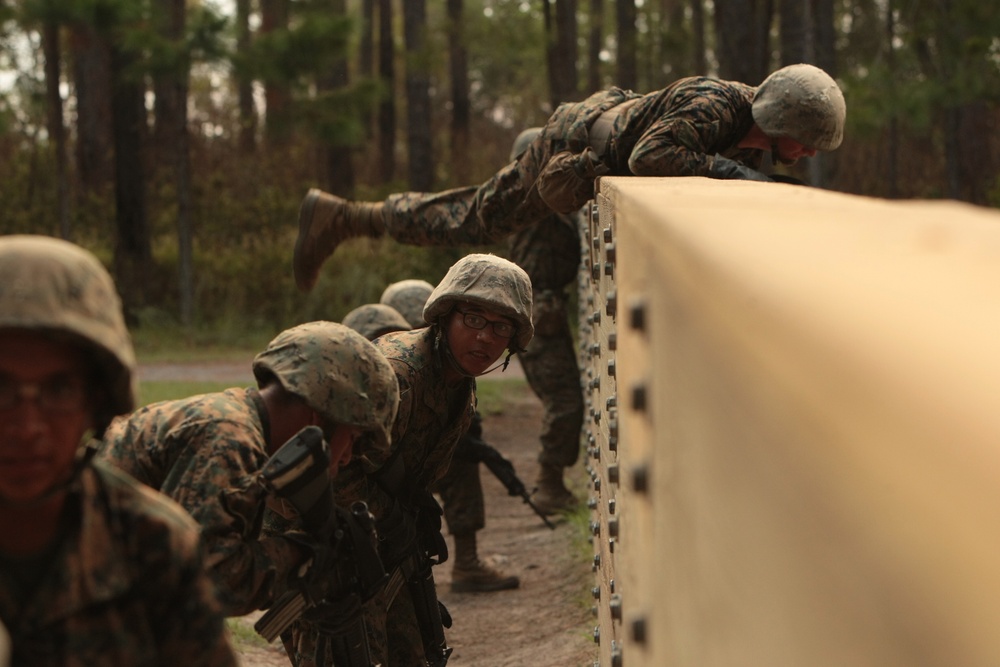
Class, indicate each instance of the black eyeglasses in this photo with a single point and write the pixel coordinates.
(474, 321)
(61, 393)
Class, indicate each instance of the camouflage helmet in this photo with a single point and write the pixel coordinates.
(522, 142)
(801, 102)
(491, 282)
(408, 298)
(56, 287)
(374, 319)
(337, 372)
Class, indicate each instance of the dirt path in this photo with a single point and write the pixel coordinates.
(544, 623)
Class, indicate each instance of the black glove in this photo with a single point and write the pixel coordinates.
(791, 180)
(723, 167)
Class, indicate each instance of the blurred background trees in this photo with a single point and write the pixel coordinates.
(177, 137)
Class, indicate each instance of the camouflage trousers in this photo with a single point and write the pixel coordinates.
(461, 491)
(551, 369)
(507, 202)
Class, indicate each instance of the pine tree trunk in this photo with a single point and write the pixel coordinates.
(55, 122)
(386, 154)
(419, 136)
(460, 105)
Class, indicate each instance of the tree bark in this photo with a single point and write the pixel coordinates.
(742, 38)
(173, 143)
(386, 168)
(92, 78)
(595, 42)
(338, 158)
(626, 72)
(133, 249)
(277, 124)
(566, 50)
(247, 134)
(699, 48)
(460, 104)
(418, 99)
(56, 124)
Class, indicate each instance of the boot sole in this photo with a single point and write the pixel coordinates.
(302, 281)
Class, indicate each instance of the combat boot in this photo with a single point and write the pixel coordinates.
(471, 575)
(325, 221)
(552, 496)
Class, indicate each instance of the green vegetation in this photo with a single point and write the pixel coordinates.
(497, 396)
(243, 634)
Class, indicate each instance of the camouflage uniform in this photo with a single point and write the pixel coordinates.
(428, 424)
(671, 132)
(205, 452)
(124, 586)
(117, 577)
(549, 251)
(432, 417)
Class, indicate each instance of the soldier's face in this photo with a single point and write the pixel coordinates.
(341, 441)
(473, 337)
(789, 151)
(44, 413)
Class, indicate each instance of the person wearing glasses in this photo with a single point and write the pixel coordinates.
(401, 308)
(95, 568)
(480, 311)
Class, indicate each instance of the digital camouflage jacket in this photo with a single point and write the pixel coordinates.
(125, 587)
(205, 452)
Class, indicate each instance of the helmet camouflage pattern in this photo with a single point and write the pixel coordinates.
(56, 287)
(337, 372)
(804, 103)
(490, 282)
(408, 298)
(522, 142)
(374, 319)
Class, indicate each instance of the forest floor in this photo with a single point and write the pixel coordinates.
(547, 621)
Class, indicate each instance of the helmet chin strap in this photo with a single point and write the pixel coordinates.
(84, 455)
(450, 356)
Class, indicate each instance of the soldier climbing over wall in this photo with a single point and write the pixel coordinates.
(697, 126)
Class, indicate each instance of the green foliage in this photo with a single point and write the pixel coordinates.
(496, 395)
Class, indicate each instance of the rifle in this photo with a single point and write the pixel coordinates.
(299, 473)
(411, 544)
(473, 448)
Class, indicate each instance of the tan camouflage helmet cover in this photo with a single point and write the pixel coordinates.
(490, 282)
(337, 372)
(374, 319)
(804, 103)
(408, 298)
(58, 288)
(523, 141)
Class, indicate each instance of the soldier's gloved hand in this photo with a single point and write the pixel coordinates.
(791, 180)
(335, 614)
(322, 575)
(723, 167)
(566, 182)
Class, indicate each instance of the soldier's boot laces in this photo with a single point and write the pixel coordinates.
(471, 575)
(552, 496)
(325, 221)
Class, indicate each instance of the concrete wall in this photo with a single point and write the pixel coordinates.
(794, 427)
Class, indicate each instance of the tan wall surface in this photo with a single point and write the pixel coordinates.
(806, 389)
